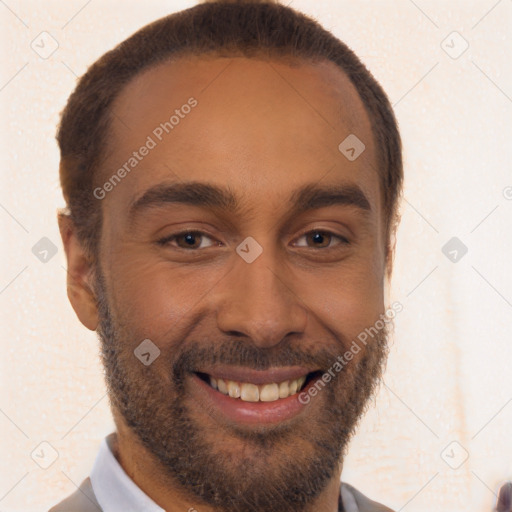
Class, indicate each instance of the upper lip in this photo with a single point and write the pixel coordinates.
(258, 377)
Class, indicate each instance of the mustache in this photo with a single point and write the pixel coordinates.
(243, 353)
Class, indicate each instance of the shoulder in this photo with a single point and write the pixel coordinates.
(82, 500)
(363, 503)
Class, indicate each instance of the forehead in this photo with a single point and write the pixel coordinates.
(262, 126)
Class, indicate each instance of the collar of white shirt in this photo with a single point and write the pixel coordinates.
(115, 491)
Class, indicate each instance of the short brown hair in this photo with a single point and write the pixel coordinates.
(227, 28)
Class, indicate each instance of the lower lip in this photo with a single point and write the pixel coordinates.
(250, 413)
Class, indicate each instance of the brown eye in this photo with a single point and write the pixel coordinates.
(187, 240)
(321, 240)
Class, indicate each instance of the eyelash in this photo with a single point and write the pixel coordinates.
(165, 241)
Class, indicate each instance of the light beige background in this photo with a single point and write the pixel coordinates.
(448, 376)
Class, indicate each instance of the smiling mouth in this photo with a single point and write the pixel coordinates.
(249, 392)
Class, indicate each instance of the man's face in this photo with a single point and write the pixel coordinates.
(176, 268)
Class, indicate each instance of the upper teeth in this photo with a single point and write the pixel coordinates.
(252, 393)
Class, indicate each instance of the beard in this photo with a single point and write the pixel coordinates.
(229, 468)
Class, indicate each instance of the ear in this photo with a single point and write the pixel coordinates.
(388, 271)
(80, 274)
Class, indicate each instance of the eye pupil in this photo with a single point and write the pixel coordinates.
(318, 238)
(190, 239)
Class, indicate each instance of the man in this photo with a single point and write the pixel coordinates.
(232, 174)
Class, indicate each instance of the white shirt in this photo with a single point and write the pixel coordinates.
(115, 491)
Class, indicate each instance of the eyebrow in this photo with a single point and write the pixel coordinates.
(308, 197)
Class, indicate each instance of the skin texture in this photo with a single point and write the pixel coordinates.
(263, 128)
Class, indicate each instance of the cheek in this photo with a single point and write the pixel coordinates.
(156, 298)
(346, 302)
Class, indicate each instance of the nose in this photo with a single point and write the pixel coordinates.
(259, 300)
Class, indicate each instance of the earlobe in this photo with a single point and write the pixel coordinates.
(80, 274)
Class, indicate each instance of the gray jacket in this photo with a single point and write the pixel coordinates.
(83, 500)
